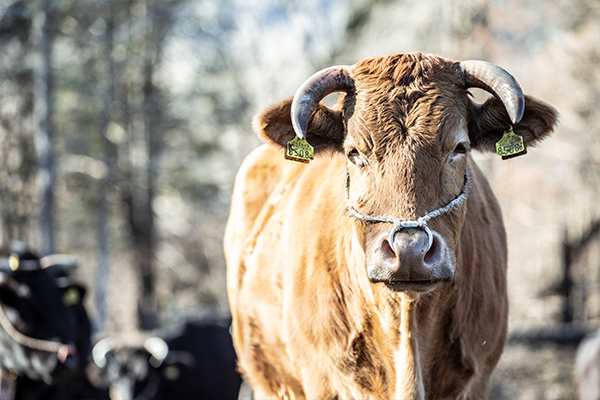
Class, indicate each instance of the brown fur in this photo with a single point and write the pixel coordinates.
(307, 323)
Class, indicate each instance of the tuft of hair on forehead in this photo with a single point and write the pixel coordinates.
(408, 69)
(405, 92)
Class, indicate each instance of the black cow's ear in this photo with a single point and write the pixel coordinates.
(490, 120)
(11, 290)
(325, 128)
(8, 296)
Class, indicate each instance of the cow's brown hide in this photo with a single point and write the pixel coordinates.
(308, 319)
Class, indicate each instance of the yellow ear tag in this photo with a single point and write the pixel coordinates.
(71, 297)
(13, 262)
(299, 150)
(511, 145)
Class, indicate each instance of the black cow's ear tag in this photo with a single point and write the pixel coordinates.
(511, 145)
(299, 150)
(71, 297)
(13, 262)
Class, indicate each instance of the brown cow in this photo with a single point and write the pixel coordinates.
(342, 282)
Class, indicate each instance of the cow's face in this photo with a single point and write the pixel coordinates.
(405, 125)
(406, 144)
(135, 367)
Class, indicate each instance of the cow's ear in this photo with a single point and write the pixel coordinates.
(8, 296)
(325, 128)
(490, 120)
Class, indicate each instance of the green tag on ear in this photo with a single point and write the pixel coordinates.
(299, 150)
(71, 297)
(511, 145)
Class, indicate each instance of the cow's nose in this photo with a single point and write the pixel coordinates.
(68, 356)
(409, 257)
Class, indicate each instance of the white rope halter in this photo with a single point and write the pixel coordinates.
(420, 223)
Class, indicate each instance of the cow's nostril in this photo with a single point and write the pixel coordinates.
(387, 249)
(65, 352)
(433, 254)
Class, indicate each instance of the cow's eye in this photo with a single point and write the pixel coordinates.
(460, 148)
(357, 158)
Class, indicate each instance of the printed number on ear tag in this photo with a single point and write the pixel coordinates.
(299, 150)
(511, 145)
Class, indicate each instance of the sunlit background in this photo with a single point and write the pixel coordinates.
(150, 106)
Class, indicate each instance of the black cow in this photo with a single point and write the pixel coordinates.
(44, 329)
(198, 362)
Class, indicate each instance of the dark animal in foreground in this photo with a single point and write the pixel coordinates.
(198, 362)
(379, 269)
(44, 329)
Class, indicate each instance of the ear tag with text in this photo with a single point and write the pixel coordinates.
(511, 145)
(299, 150)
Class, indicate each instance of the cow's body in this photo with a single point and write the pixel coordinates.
(324, 308)
(44, 329)
(308, 322)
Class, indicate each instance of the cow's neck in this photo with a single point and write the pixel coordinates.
(398, 315)
(409, 379)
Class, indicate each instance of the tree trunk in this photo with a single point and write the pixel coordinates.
(43, 117)
(109, 158)
(147, 308)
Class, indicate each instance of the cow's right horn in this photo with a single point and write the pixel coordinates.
(158, 349)
(313, 90)
(499, 82)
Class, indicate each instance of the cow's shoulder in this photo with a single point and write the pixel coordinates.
(258, 174)
(484, 228)
(480, 281)
(258, 177)
(255, 190)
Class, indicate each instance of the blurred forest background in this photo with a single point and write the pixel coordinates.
(123, 123)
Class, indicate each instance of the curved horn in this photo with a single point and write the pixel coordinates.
(66, 262)
(101, 349)
(497, 81)
(313, 90)
(157, 347)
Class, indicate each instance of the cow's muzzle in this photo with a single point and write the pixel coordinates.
(411, 256)
(411, 259)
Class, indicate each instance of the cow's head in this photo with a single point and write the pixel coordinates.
(134, 366)
(37, 332)
(405, 124)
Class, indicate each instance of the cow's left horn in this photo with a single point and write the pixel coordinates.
(101, 349)
(497, 81)
(313, 90)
